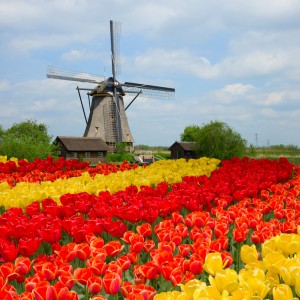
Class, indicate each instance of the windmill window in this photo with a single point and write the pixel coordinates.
(87, 154)
(74, 154)
(100, 154)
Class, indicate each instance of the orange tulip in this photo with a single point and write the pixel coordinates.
(112, 283)
(44, 291)
(94, 285)
(82, 275)
(113, 248)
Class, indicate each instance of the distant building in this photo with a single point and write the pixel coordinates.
(183, 150)
(89, 149)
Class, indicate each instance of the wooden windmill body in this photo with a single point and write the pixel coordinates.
(107, 114)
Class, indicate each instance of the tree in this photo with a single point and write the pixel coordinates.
(217, 140)
(27, 139)
(190, 133)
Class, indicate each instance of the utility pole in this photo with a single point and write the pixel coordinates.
(256, 139)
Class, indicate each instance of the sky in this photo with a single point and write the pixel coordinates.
(232, 61)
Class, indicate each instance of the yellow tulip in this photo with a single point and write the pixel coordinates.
(190, 287)
(256, 287)
(272, 280)
(207, 293)
(297, 286)
(290, 270)
(268, 246)
(273, 261)
(213, 263)
(288, 244)
(174, 295)
(245, 274)
(282, 291)
(248, 254)
(3, 158)
(225, 280)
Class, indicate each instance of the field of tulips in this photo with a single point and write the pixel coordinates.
(176, 229)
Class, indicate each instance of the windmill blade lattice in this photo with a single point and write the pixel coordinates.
(115, 29)
(149, 91)
(58, 73)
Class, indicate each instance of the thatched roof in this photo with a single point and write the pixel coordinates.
(187, 146)
(72, 143)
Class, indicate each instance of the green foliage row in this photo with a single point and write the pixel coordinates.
(215, 139)
(119, 157)
(27, 139)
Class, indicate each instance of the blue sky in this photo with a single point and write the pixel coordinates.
(233, 61)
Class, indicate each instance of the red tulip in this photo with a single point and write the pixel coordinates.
(82, 275)
(221, 229)
(8, 251)
(136, 243)
(8, 271)
(226, 259)
(127, 236)
(113, 248)
(67, 279)
(33, 209)
(167, 269)
(97, 265)
(63, 293)
(149, 270)
(149, 245)
(145, 230)
(94, 285)
(44, 291)
(31, 282)
(124, 262)
(67, 253)
(22, 265)
(82, 251)
(139, 277)
(112, 283)
(196, 264)
(28, 246)
(184, 249)
(51, 233)
(114, 268)
(176, 276)
(240, 234)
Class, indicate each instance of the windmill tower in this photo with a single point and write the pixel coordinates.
(107, 117)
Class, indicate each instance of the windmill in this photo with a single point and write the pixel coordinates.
(107, 118)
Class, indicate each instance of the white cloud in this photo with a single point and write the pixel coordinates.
(237, 88)
(4, 85)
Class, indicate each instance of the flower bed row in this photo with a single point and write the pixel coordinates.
(24, 193)
(14, 171)
(145, 240)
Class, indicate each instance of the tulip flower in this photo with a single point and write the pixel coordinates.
(207, 292)
(112, 283)
(44, 291)
(113, 248)
(282, 291)
(145, 230)
(248, 254)
(213, 263)
(190, 287)
(8, 251)
(225, 280)
(94, 285)
(82, 275)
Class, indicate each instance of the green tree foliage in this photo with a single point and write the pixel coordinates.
(27, 139)
(190, 133)
(218, 140)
